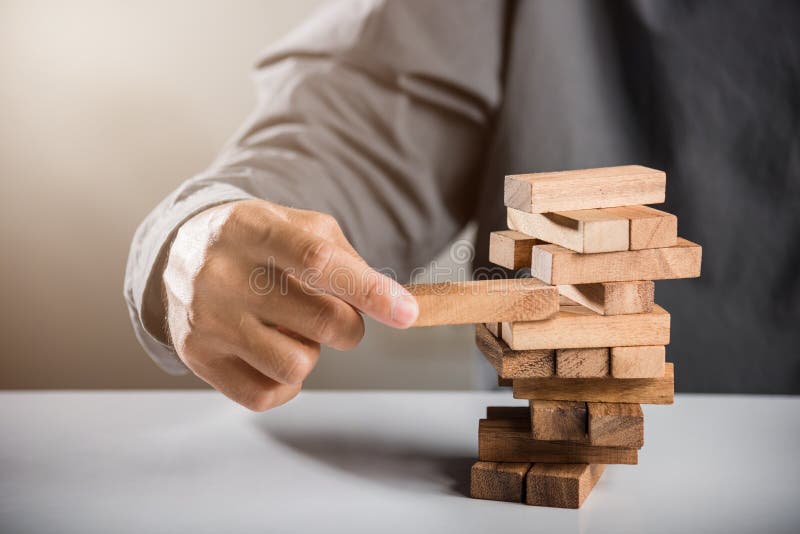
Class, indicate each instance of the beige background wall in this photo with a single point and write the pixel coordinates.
(104, 107)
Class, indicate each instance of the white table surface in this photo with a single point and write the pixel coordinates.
(377, 462)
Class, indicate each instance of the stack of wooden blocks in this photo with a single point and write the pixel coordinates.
(585, 368)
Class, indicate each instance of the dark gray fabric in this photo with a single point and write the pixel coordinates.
(709, 92)
(401, 117)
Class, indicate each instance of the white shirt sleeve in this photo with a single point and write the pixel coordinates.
(376, 112)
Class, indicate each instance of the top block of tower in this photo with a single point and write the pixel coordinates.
(606, 187)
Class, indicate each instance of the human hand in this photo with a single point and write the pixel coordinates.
(252, 290)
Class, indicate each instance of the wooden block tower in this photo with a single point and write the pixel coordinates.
(586, 368)
(582, 340)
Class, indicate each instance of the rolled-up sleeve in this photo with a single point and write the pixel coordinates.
(373, 111)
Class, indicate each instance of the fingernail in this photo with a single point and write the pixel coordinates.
(405, 311)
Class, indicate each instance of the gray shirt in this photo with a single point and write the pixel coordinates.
(400, 118)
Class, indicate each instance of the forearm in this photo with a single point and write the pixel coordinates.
(383, 133)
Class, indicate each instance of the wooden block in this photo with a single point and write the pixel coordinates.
(484, 301)
(638, 362)
(509, 440)
(558, 420)
(557, 265)
(613, 298)
(582, 363)
(631, 390)
(616, 425)
(498, 481)
(607, 187)
(565, 305)
(513, 363)
(582, 231)
(613, 425)
(511, 249)
(508, 412)
(504, 382)
(561, 485)
(649, 227)
(576, 327)
(494, 328)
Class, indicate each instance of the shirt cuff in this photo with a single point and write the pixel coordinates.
(148, 256)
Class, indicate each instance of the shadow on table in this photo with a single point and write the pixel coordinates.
(396, 463)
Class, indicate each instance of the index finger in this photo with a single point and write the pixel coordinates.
(327, 266)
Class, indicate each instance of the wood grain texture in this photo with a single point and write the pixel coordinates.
(616, 424)
(576, 327)
(484, 301)
(566, 305)
(613, 298)
(629, 390)
(584, 189)
(509, 440)
(582, 363)
(646, 361)
(498, 481)
(557, 265)
(584, 231)
(613, 425)
(649, 227)
(558, 420)
(513, 363)
(511, 249)
(561, 485)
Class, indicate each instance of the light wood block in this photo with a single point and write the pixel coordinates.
(561, 485)
(564, 305)
(615, 424)
(582, 363)
(630, 390)
(607, 187)
(498, 481)
(513, 363)
(509, 440)
(511, 249)
(649, 227)
(613, 298)
(582, 231)
(557, 265)
(494, 328)
(508, 412)
(558, 420)
(484, 301)
(638, 362)
(576, 327)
